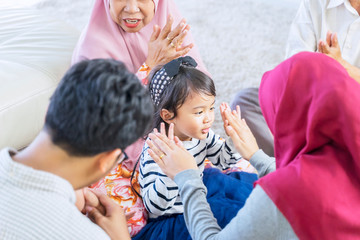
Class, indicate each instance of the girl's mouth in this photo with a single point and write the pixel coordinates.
(206, 130)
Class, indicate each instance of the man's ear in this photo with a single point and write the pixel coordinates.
(167, 116)
(106, 160)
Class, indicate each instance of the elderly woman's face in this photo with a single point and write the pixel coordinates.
(132, 15)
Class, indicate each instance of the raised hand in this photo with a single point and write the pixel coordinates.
(331, 46)
(166, 44)
(239, 132)
(332, 49)
(168, 152)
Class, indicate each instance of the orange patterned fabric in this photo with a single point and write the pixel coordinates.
(143, 72)
(117, 186)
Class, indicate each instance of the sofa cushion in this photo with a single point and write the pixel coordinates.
(35, 52)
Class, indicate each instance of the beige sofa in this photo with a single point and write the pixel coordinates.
(35, 52)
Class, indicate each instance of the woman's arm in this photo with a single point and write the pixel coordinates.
(258, 219)
(263, 163)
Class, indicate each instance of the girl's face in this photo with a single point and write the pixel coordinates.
(132, 15)
(195, 117)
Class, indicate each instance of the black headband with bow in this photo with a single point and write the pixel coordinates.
(167, 73)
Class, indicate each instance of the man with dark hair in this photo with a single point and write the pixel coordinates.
(98, 109)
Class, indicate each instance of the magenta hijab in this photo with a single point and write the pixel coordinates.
(311, 105)
(103, 38)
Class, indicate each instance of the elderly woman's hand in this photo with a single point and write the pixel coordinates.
(166, 44)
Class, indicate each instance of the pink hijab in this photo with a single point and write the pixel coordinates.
(312, 107)
(103, 38)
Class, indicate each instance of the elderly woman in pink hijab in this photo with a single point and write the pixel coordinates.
(138, 33)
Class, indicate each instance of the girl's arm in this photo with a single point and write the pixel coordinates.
(158, 191)
(219, 152)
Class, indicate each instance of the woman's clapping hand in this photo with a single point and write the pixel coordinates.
(166, 44)
(168, 152)
(239, 132)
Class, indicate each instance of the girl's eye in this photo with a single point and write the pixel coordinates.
(198, 113)
(212, 109)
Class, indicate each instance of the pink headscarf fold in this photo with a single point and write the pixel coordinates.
(312, 108)
(103, 38)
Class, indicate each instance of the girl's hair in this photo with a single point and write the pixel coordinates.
(187, 81)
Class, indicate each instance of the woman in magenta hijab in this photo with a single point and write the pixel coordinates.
(136, 32)
(311, 106)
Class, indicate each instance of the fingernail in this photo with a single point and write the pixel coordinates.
(182, 24)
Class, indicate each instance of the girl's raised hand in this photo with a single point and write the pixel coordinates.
(169, 154)
(239, 132)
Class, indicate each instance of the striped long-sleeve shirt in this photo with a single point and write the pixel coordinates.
(160, 193)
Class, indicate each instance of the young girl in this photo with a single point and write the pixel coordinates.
(185, 96)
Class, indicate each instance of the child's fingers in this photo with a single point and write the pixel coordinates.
(162, 128)
(164, 143)
(179, 143)
(171, 132)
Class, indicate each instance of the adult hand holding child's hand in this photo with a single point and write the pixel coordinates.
(241, 135)
(168, 152)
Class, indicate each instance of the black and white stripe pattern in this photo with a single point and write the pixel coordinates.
(160, 193)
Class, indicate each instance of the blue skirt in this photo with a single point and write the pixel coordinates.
(226, 195)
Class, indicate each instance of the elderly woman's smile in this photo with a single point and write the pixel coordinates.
(132, 15)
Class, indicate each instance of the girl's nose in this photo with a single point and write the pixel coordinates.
(207, 118)
(131, 6)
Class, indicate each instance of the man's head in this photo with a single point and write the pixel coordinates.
(98, 106)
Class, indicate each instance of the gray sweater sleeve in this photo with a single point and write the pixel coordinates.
(263, 163)
(258, 219)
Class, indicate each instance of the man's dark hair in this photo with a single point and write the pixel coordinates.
(97, 107)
